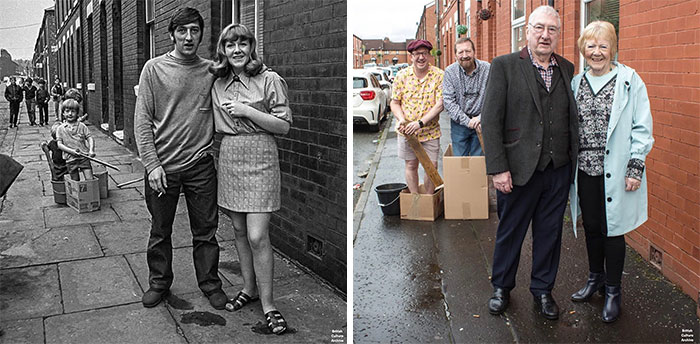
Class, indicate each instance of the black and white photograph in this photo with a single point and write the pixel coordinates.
(173, 171)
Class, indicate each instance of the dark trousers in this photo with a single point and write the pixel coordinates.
(605, 254)
(57, 108)
(542, 201)
(14, 112)
(43, 113)
(31, 110)
(199, 185)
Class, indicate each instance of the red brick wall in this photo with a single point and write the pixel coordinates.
(662, 42)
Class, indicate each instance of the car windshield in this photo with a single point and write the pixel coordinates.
(359, 82)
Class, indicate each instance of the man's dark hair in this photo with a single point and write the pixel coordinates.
(184, 16)
(465, 39)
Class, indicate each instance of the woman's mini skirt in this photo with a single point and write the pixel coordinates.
(249, 173)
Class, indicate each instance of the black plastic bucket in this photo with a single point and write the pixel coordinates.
(388, 195)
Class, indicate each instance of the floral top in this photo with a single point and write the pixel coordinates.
(594, 110)
(418, 96)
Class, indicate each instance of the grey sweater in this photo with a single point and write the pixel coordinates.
(173, 120)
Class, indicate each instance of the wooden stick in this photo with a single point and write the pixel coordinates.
(481, 140)
(424, 160)
(129, 182)
(99, 161)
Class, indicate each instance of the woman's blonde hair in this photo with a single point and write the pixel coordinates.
(221, 67)
(598, 30)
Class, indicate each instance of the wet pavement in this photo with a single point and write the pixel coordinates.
(425, 282)
(364, 147)
(78, 278)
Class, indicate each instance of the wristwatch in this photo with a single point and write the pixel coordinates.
(420, 123)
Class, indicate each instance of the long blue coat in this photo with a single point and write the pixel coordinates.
(629, 136)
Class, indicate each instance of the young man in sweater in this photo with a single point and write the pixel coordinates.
(174, 131)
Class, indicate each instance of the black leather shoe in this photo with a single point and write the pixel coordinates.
(217, 298)
(596, 282)
(613, 299)
(152, 297)
(547, 306)
(499, 301)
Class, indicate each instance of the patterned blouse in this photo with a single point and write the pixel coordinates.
(594, 114)
(418, 96)
(266, 92)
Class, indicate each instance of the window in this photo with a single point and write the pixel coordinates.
(606, 10)
(518, 25)
(150, 45)
(467, 22)
(250, 14)
(91, 53)
(358, 82)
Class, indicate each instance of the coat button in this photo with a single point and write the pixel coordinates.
(607, 175)
(609, 199)
(607, 151)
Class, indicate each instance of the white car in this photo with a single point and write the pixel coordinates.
(384, 81)
(369, 103)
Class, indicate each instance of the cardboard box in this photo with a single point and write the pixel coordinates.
(421, 207)
(466, 187)
(84, 195)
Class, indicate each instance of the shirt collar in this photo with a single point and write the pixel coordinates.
(474, 72)
(552, 59)
(242, 78)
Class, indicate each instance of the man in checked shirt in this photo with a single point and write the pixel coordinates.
(463, 89)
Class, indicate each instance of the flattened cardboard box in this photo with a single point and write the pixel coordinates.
(421, 207)
(466, 187)
(84, 195)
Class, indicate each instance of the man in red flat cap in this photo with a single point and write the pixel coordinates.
(416, 103)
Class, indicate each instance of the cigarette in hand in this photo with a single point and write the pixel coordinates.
(160, 194)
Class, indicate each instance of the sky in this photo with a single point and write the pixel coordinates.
(19, 42)
(376, 19)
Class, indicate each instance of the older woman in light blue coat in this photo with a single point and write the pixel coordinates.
(615, 137)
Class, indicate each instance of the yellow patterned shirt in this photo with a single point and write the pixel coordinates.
(418, 96)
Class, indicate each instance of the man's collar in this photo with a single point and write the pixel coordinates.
(476, 68)
(552, 58)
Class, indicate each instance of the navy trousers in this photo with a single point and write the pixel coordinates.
(542, 201)
(199, 185)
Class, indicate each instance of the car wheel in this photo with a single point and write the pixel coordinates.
(374, 127)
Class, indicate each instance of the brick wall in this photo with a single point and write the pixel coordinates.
(662, 43)
(306, 45)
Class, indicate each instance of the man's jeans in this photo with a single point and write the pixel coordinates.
(199, 185)
(465, 141)
(31, 107)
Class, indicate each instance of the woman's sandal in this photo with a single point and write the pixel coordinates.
(239, 301)
(276, 322)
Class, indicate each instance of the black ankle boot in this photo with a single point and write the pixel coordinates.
(613, 300)
(596, 282)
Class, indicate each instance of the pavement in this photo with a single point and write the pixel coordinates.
(429, 282)
(67, 277)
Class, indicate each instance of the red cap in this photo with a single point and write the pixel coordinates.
(419, 43)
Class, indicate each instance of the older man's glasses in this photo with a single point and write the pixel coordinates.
(552, 30)
(420, 53)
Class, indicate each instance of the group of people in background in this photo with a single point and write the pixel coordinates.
(549, 137)
(34, 96)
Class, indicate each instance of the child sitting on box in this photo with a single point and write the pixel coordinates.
(59, 164)
(75, 141)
